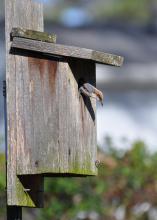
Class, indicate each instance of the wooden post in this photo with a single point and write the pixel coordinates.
(25, 14)
(14, 213)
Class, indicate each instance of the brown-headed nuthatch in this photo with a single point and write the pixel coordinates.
(90, 91)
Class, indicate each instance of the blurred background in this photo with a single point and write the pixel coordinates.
(126, 187)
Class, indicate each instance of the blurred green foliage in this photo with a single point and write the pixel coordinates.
(125, 180)
(130, 10)
(138, 11)
(124, 11)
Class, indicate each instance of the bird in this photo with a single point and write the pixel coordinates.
(90, 91)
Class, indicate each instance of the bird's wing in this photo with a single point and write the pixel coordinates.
(85, 92)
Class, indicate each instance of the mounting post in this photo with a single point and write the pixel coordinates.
(13, 212)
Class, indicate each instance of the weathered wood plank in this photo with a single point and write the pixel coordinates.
(26, 14)
(34, 35)
(59, 125)
(77, 119)
(67, 51)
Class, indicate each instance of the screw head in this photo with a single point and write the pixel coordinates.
(97, 163)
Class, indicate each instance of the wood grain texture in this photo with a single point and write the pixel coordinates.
(58, 126)
(26, 14)
(67, 51)
(51, 129)
(34, 35)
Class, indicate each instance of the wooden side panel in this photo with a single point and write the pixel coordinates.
(26, 14)
(77, 119)
(57, 126)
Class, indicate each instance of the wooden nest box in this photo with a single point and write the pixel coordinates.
(51, 129)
